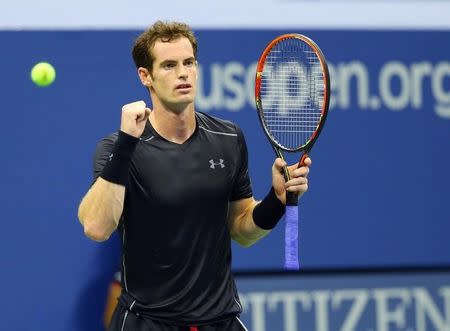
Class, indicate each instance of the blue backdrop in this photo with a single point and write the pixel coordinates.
(378, 186)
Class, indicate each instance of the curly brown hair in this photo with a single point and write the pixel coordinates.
(164, 31)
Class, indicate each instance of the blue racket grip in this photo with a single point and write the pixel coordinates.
(291, 239)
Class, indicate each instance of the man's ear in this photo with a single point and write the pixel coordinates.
(145, 77)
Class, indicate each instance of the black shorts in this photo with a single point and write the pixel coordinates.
(125, 320)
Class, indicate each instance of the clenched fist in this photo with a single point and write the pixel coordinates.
(134, 117)
(298, 183)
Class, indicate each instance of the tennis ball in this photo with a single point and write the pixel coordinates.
(43, 74)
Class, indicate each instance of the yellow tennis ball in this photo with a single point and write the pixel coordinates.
(43, 74)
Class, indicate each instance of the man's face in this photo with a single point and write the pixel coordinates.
(174, 74)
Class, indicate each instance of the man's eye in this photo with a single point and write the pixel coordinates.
(169, 65)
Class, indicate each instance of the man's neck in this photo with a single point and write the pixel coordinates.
(175, 126)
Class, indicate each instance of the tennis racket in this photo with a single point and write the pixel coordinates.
(292, 93)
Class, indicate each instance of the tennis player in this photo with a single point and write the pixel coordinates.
(175, 184)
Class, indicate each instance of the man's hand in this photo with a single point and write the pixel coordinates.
(298, 182)
(134, 117)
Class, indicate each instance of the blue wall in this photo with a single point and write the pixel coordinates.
(378, 186)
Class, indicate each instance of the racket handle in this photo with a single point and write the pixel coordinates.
(291, 239)
(291, 231)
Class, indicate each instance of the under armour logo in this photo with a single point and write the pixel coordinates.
(111, 157)
(214, 164)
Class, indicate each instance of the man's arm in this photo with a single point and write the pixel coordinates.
(243, 226)
(243, 229)
(101, 208)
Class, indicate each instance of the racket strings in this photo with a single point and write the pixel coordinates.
(292, 92)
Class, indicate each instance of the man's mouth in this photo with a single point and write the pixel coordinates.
(183, 86)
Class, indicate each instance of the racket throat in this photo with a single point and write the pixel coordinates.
(286, 174)
(301, 163)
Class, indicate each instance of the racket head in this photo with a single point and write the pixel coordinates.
(292, 92)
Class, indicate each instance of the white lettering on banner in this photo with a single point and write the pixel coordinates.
(390, 71)
(288, 301)
(250, 82)
(384, 309)
(256, 300)
(419, 71)
(227, 90)
(230, 86)
(321, 299)
(426, 307)
(384, 316)
(214, 100)
(359, 297)
(231, 73)
(342, 78)
(442, 70)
